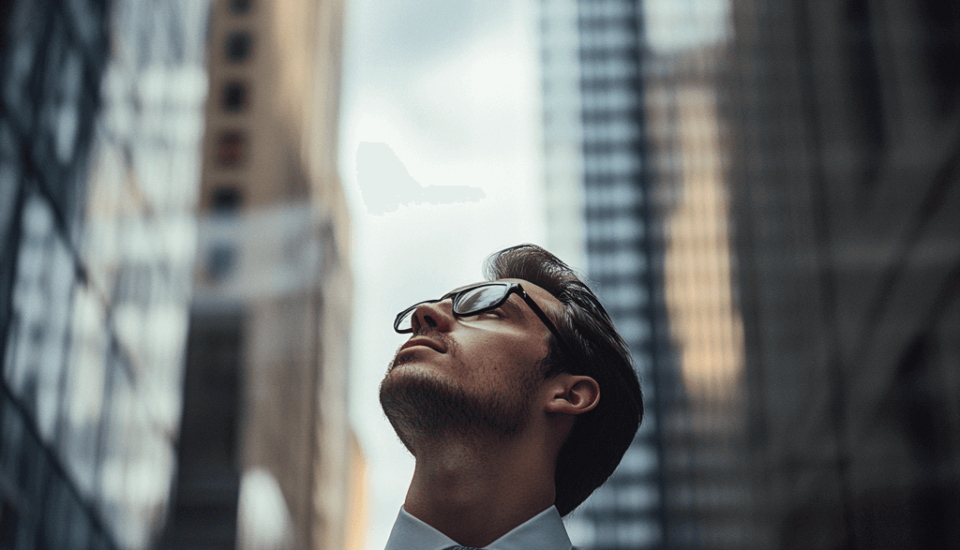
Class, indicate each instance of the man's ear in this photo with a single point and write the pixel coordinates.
(572, 394)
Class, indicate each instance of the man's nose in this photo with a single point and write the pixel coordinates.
(436, 316)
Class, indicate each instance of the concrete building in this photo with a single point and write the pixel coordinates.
(846, 192)
(265, 455)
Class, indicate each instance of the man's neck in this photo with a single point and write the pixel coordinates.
(476, 493)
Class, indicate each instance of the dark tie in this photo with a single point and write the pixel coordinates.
(463, 548)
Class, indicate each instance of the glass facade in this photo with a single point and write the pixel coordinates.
(593, 103)
(846, 194)
(770, 205)
(101, 120)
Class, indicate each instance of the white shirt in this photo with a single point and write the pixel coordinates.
(544, 531)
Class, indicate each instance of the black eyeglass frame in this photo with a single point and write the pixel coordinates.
(457, 295)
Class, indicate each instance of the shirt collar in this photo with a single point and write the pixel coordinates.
(544, 531)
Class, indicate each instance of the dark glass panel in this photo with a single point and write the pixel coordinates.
(221, 261)
(226, 200)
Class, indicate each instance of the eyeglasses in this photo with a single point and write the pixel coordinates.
(476, 300)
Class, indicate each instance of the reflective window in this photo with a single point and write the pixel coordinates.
(638, 460)
(637, 534)
(226, 200)
(221, 261)
(109, 108)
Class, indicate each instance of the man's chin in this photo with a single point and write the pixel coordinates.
(413, 388)
(410, 397)
(424, 406)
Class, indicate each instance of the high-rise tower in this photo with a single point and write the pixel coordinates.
(846, 188)
(265, 445)
(635, 148)
(595, 181)
(101, 117)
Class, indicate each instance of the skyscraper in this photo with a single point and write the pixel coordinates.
(265, 454)
(103, 164)
(595, 188)
(846, 189)
(707, 499)
(633, 125)
(100, 127)
(798, 170)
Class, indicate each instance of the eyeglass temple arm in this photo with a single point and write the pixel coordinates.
(543, 317)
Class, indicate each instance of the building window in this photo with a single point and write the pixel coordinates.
(234, 97)
(221, 261)
(240, 6)
(226, 200)
(231, 149)
(238, 46)
(9, 519)
(940, 24)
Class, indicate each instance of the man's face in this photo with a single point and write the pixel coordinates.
(465, 375)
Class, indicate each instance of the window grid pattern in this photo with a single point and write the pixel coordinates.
(657, 251)
(100, 125)
(625, 512)
(803, 358)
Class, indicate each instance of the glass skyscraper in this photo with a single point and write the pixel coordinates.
(634, 152)
(101, 115)
(766, 197)
(596, 185)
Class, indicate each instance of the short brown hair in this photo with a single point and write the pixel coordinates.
(600, 437)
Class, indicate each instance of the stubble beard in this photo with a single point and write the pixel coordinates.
(426, 409)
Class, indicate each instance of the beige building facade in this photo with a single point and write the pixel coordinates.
(267, 457)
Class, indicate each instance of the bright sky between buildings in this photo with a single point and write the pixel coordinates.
(441, 100)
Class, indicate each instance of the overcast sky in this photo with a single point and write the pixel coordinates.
(452, 90)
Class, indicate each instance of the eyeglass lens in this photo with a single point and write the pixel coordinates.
(469, 301)
(479, 298)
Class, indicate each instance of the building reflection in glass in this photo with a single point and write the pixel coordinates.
(771, 192)
(101, 121)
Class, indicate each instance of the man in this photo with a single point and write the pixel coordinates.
(517, 399)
